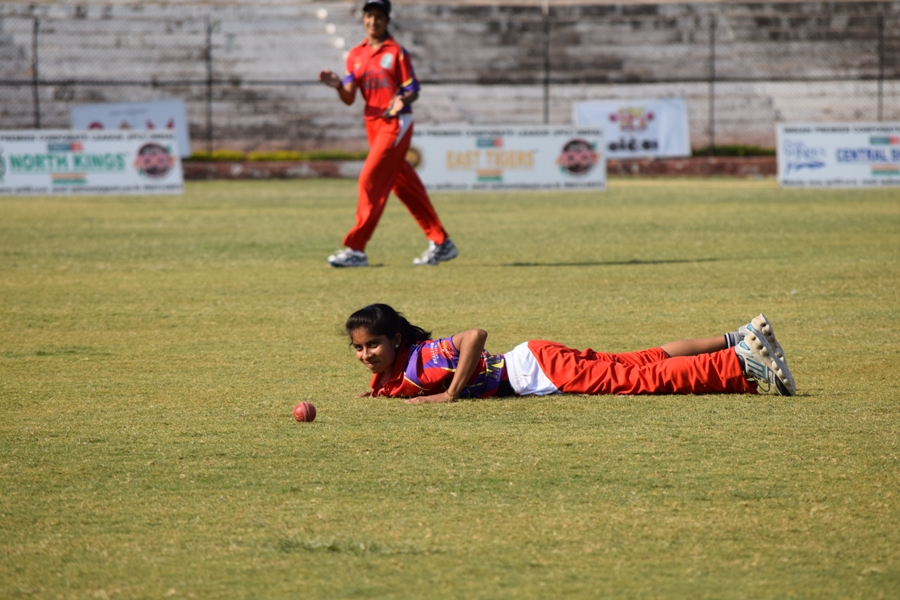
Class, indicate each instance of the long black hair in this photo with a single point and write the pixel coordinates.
(381, 319)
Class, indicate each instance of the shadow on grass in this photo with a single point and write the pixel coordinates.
(610, 263)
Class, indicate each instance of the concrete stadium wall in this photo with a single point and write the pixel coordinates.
(480, 64)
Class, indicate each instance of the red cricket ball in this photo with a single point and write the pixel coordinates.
(305, 412)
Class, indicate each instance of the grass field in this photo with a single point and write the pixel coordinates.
(152, 349)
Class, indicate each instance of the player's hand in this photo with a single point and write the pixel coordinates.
(364, 395)
(395, 107)
(329, 78)
(432, 399)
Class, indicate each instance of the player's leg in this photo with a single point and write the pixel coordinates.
(409, 189)
(376, 179)
(412, 193)
(646, 372)
(695, 346)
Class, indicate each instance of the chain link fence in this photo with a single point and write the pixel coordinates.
(247, 73)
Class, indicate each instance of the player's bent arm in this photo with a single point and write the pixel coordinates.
(346, 91)
(470, 344)
(409, 97)
(400, 102)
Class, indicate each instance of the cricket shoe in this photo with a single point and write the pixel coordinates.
(348, 257)
(759, 362)
(437, 253)
(762, 328)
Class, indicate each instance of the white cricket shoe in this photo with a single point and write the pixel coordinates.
(760, 363)
(762, 328)
(348, 257)
(437, 253)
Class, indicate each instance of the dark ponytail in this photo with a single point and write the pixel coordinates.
(381, 319)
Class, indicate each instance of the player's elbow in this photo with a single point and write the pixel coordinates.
(480, 336)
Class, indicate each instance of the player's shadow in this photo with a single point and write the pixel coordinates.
(612, 263)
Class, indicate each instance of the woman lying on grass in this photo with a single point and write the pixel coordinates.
(406, 362)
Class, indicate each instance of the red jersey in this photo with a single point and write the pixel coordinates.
(428, 368)
(381, 75)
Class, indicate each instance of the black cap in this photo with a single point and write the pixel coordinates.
(384, 5)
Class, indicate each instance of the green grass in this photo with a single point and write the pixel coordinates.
(152, 349)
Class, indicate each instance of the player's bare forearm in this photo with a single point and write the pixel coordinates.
(430, 399)
(409, 97)
(400, 102)
(346, 91)
(470, 344)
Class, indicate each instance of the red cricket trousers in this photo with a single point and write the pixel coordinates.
(386, 169)
(644, 372)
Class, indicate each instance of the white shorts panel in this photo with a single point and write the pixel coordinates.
(406, 121)
(525, 374)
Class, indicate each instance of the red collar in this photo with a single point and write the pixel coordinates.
(388, 41)
(397, 370)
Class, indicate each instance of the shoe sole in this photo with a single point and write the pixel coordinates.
(420, 263)
(761, 324)
(762, 348)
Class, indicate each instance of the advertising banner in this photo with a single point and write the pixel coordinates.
(639, 128)
(509, 158)
(54, 162)
(156, 114)
(838, 154)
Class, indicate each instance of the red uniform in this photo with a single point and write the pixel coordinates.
(381, 75)
(540, 367)
(645, 372)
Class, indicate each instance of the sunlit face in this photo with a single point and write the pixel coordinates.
(376, 352)
(375, 22)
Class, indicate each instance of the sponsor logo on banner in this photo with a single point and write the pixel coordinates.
(853, 155)
(489, 143)
(510, 157)
(154, 160)
(414, 157)
(89, 162)
(578, 157)
(638, 128)
(632, 119)
(68, 178)
(800, 156)
(885, 170)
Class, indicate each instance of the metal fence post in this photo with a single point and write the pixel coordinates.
(880, 67)
(712, 85)
(34, 73)
(545, 9)
(209, 86)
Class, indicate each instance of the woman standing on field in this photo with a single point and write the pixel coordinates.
(380, 68)
(406, 362)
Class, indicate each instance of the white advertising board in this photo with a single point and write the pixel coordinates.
(639, 128)
(53, 162)
(838, 154)
(156, 114)
(509, 158)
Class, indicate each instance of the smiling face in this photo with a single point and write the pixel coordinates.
(376, 352)
(375, 22)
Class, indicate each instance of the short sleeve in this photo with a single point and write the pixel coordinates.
(408, 81)
(437, 364)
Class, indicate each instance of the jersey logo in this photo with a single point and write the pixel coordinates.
(445, 348)
(386, 61)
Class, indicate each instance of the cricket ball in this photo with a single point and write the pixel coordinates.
(305, 412)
